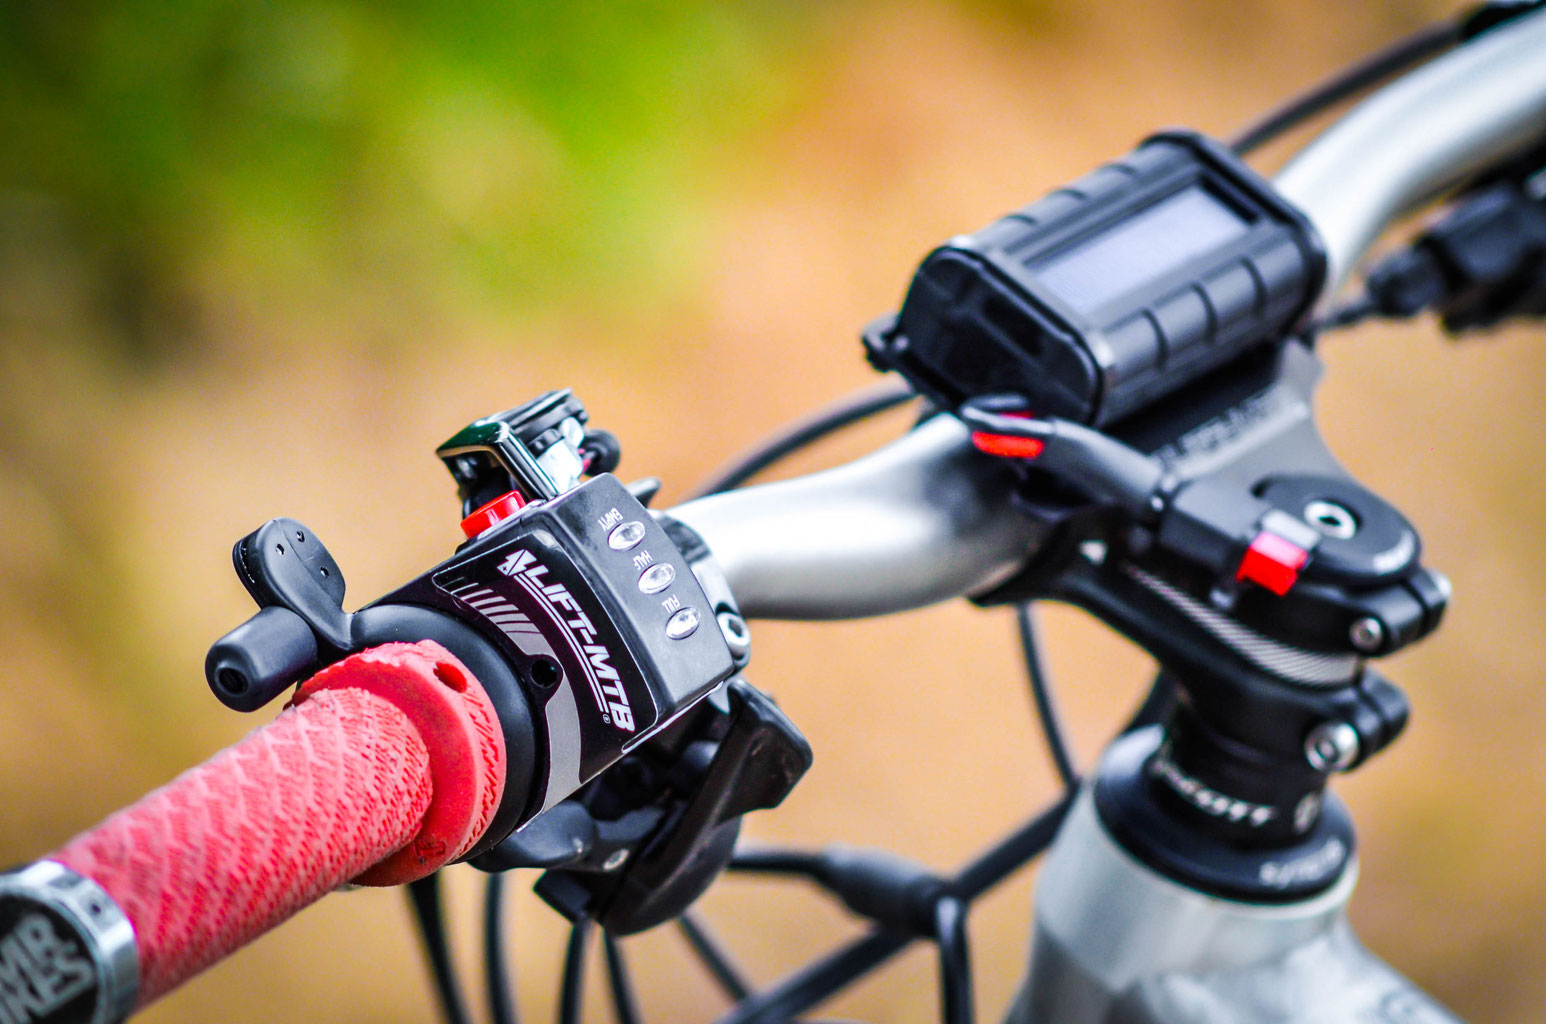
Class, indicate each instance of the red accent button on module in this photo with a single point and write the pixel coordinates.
(494, 512)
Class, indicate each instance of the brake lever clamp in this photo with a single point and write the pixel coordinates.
(661, 826)
(591, 623)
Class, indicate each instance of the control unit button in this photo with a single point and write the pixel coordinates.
(683, 624)
(626, 535)
(657, 577)
(492, 514)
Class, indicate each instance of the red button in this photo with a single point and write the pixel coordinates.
(496, 511)
(1009, 445)
(1006, 445)
(1272, 562)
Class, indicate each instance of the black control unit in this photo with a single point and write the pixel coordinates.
(582, 615)
(601, 616)
(1111, 292)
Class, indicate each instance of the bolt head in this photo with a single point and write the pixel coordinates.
(1367, 634)
(736, 634)
(615, 860)
(1331, 747)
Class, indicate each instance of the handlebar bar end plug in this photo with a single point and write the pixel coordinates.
(67, 950)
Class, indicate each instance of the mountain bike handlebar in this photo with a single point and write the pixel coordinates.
(391, 763)
(1418, 137)
(928, 518)
(922, 520)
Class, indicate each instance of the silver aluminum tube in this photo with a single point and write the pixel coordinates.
(924, 519)
(927, 518)
(1419, 136)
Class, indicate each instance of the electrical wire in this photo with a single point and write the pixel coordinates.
(496, 967)
(777, 861)
(1156, 705)
(1041, 693)
(955, 961)
(624, 1001)
(787, 999)
(846, 411)
(571, 1001)
(1419, 46)
(713, 956)
(424, 897)
(1351, 313)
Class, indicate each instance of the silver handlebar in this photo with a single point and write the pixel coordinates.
(1419, 136)
(928, 518)
(924, 519)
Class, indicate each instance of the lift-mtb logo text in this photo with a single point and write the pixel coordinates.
(605, 684)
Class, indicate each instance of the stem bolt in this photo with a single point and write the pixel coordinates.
(1331, 747)
(614, 860)
(1367, 634)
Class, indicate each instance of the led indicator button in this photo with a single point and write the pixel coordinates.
(626, 536)
(657, 577)
(683, 624)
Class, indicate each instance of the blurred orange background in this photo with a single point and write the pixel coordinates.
(259, 261)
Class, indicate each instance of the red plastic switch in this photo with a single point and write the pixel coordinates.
(1272, 562)
(496, 511)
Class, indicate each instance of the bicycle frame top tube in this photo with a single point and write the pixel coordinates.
(928, 518)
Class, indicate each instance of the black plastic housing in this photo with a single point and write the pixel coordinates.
(570, 613)
(1111, 292)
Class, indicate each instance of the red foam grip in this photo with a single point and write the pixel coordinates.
(329, 789)
(461, 730)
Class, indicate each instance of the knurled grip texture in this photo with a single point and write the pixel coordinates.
(328, 790)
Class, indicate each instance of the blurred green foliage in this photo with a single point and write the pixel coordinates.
(366, 172)
(461, 152)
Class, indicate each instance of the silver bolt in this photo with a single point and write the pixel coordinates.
(1332, 519)
(1224, 596)
(1331, 747)
(736, 634)
(614, 860)
(1367, 634)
